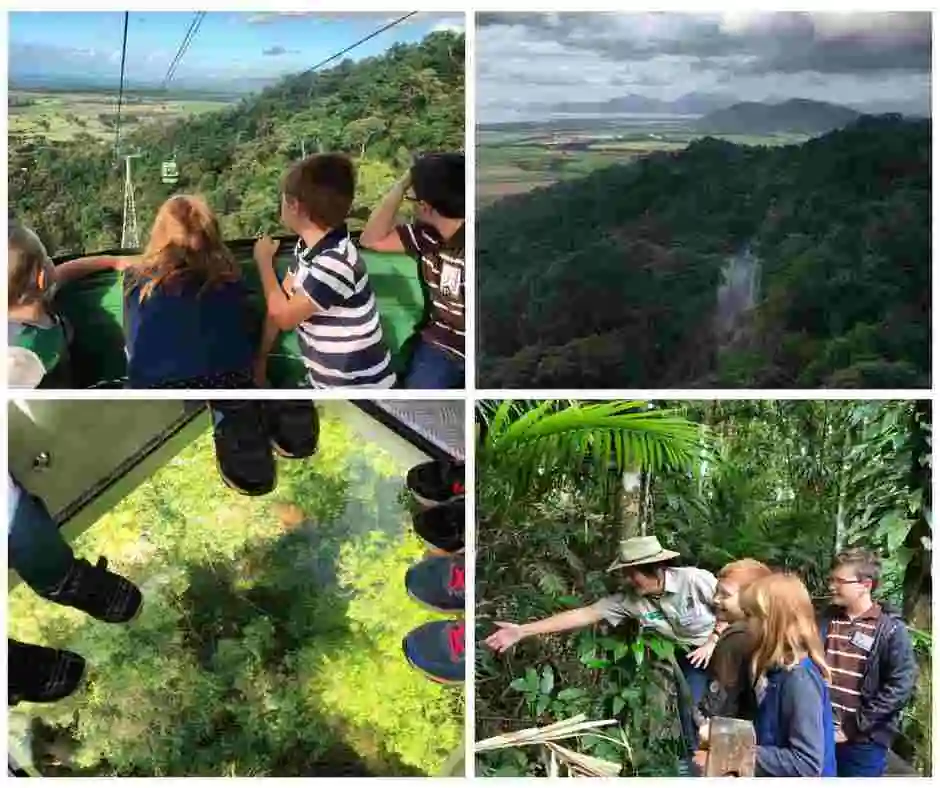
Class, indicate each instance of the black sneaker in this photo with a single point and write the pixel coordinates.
(437, 650)
(438, 582)
(433, 483)
(442, 527)
(242, 449)
(39, 674)
(293, 427)
(98, 592)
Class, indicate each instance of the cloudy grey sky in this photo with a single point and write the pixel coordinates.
(851, 58)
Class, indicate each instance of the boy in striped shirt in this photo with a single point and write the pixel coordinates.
(869, 652)
(327, 297)
(436, 242)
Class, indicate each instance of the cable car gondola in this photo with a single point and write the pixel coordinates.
(169, 172)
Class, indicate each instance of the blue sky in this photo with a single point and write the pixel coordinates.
(227, 46)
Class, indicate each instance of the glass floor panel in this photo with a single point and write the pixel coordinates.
(269, 642)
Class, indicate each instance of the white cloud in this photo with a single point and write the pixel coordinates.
(526, 59)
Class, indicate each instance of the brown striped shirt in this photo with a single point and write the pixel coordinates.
(441, 265)
(848, 645)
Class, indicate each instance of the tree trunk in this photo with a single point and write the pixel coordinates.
(629, 504)
(646, 513)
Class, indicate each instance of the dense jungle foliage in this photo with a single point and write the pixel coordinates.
(786, 482)
(611, 280)
(381, 110)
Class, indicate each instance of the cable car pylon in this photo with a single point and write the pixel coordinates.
(129, 237)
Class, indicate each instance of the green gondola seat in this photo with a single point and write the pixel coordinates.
(94, 306)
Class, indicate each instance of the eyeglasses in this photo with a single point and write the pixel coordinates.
(843, 581)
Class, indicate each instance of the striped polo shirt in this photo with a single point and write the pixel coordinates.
(342, 341)
(848, 645)
(441, 266)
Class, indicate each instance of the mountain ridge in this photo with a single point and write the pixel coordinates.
(793, 115)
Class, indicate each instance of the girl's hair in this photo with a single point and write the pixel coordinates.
(744, 572)
(185, 246)
(27, 259)
(781, 613)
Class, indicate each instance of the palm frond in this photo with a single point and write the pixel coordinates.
(524, 440)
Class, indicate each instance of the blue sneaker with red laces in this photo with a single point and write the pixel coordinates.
(438, 582)
(437, 650)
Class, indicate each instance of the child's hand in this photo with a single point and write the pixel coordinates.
(265, 249)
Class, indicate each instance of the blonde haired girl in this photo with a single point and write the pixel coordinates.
(39, 338)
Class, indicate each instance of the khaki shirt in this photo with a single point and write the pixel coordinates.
(682, 613)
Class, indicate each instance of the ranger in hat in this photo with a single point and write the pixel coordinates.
(672, 601)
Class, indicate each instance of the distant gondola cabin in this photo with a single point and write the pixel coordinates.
(169, 172)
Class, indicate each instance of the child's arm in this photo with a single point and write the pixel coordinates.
(269, 335)
(380, 233)
(76, 269)
(285, 313)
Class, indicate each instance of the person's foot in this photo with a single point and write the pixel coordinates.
(443, 526)
(98, 592)
(39, 674)
(437, 650)
(433, 483)
(293, 427)
(438, 582)
(242, 449)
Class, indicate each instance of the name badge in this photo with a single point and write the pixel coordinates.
(863, 641)
(450, 279)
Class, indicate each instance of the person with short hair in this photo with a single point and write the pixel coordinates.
(39, 338)
(435, 184)
(327, 296)
(869, 651)
(671, 601)
(793, 724)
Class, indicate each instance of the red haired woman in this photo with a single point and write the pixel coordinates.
(187, 318)
(794, 723)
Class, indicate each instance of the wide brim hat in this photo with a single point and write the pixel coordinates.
(639, 550)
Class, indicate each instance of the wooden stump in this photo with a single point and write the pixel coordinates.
(730, 748)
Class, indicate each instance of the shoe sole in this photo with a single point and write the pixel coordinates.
(232, 486)
(287, 456)
(454, 611)
(137, 613)
(428, 503)
(431, 676)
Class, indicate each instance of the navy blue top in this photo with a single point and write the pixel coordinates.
(794, 725)
(187, 334)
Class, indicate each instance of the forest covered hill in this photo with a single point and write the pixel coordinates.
(800, 115)
(381, 110)
(613, 280)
